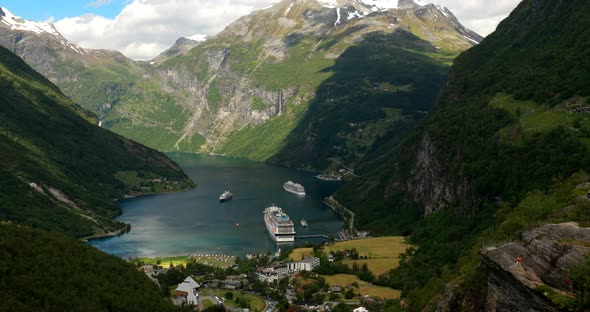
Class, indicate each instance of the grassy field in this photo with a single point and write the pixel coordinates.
(364, 287)
(299, 253)
(165, 261)
(206, 303)
(211, 260)
(534, 117)
(256, 303)
(378, 247)
(383, 252)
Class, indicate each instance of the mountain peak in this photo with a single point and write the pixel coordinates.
(18, 23)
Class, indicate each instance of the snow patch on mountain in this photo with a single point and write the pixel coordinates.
(382, 4)
(474, 41)
(198, 37)
(354, 14)
(289, 8)
(331, 4)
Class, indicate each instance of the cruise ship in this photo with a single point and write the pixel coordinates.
(278, 224)
(294, 188)
(227, 195)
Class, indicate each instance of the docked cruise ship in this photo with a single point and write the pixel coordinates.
(294, 188)
(278, 224)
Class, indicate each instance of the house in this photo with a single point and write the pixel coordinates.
(188, 290)
(335, 289)
(231, 284)
(273, 273)
(360, 309)
(331, 257)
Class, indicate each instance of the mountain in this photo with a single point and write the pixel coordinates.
(504, 151)
(60, 171)
(267, 87)
(44, 271)
(180, 47)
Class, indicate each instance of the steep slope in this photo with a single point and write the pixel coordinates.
(511, 119)
(48, 272)
(495, 156)
(59, 171)
(269, 81)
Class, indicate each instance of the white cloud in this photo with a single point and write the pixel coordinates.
(98, 3)
(145, 28)
(481, 16)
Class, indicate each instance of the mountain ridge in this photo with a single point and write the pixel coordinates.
(60, 171)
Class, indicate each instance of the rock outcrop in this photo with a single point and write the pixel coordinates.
(547, 252)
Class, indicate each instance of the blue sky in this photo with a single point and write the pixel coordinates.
(41, 10)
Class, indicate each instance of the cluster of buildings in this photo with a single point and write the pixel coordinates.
(279, 271)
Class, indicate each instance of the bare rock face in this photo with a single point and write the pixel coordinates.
(431, 185)
(547, 252)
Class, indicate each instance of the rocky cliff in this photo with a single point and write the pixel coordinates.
(548, 253)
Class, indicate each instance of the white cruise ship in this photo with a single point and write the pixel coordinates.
(227, 195)
(294, 188)
(278, 224)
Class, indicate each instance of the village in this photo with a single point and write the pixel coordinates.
(335, 277)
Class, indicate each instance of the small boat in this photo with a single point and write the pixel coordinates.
(227, 195)
(303, 223)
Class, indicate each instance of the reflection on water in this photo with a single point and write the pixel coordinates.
(196, 222)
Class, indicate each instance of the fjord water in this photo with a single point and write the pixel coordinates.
(196, 222)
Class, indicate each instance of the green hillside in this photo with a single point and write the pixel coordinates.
(42, 271)
(510, 129)
(60, 171)
(378, 88)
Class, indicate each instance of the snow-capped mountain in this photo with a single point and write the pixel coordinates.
(17, 24)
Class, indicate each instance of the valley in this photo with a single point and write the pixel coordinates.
(460, 164)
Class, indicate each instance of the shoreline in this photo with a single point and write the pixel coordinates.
(127, 228)
(341, 210)
(122, 231)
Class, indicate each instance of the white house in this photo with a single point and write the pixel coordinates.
(188, 289)
(360, 309)
(308, 264)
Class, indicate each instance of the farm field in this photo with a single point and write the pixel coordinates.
(382, 252)
(256, 303)
(364, 287)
